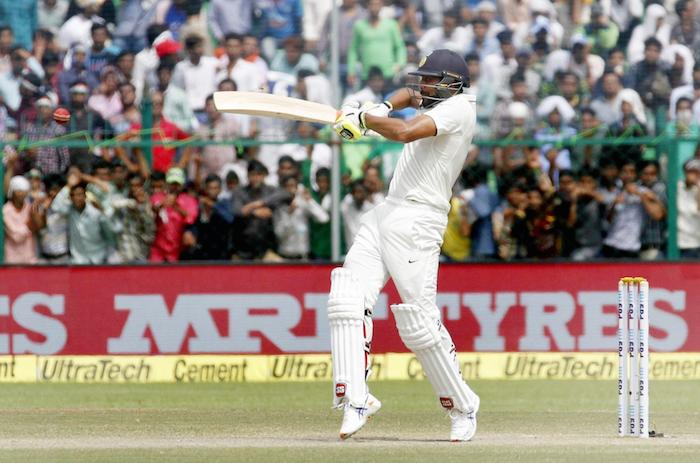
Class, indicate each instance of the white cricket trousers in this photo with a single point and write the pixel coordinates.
(400, 239)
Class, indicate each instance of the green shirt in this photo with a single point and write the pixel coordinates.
(379, 45)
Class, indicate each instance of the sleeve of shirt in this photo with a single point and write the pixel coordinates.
(450, 117)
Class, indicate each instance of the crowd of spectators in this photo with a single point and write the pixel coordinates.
(545, 73)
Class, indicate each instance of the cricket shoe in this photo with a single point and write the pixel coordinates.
(464, 423)
(356, 417)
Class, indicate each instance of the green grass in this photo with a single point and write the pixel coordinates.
(519, 421)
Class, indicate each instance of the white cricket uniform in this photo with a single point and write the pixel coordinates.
(401, 237)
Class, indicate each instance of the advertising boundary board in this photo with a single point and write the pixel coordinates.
(317, 367)
(281, 309)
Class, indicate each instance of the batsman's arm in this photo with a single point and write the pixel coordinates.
(398, 129)
(402, 131)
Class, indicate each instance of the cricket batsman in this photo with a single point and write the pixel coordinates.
(401, 238)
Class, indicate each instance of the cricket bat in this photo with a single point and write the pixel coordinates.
(265, 104)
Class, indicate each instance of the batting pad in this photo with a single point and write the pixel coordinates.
(423, 336)
(346, 320)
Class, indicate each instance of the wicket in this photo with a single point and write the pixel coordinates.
(633, 357)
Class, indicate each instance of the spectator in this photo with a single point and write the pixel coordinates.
(130, 114)
(311, 156)
(352, 208)
(586, 217)
(625, 14)
(105, 10)
(163, 154)
(626, 215)
(456, 243)
(654, 227)
(499, 67)
(220, 127)
(541, 223)
(124, 62)
(251, 53)
(533, 78)
(313, 19)
(90, 233)
(135, 217)
(480, 209)
(649, 77)
(509, 223)
(685, 32)
(590, 128)
(174, 210)
(281, 19)
(253, 207)
(291, 59)
(501, 119)
(607, 107)
(375, 42)
(451, 36)
(173, 14)
(47, 158)
(146, 61)
(654, 25)
(176, 106)
(196, 75)
(320, 231)
(631, 123)
(36, 186)
(209, 237)
(291, 221)
(77, 29)
(21, 16)
(230, 17)
(99, 55)
(22, 64)
(688, 203)
(133, 20)
(350, 12)
(485, 96)
(588, 67)
(479, 42)
(601, 31)
(106, 101)
(84, 120)
(51, 14)
(20, 247)
(77, 72)
(555, 114)
(52, 225)
(682, 65)
(7, 39)
(246, 75)
(685, 129)
(487, 11)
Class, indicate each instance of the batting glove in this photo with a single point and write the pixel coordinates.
(346, 128)
(375, 109)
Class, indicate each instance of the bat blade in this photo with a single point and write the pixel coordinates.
(265, 104)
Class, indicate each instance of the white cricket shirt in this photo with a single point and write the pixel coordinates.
(430, 166)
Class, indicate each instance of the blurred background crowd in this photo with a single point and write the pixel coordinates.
(551, 78)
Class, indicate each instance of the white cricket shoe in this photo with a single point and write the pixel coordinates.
(354, 418)
(464, 423)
